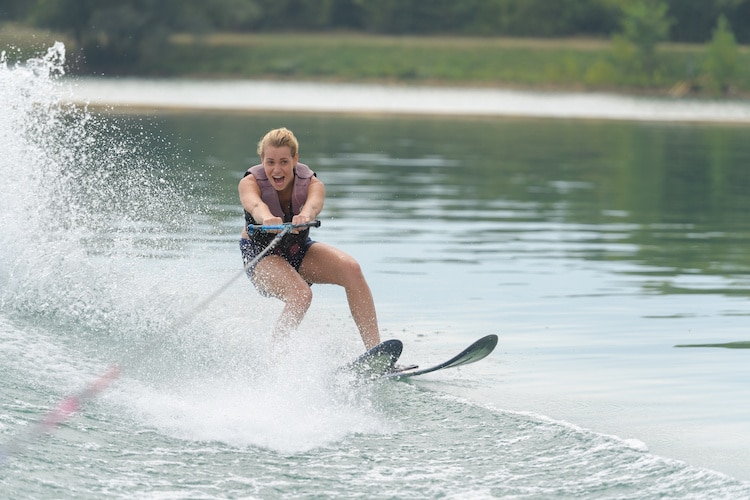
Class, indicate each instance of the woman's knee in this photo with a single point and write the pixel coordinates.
(350, 270)
(300, 298)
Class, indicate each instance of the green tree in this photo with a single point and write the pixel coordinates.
(114, 35)
(544, 18)
(696, 19)
(416, 16)
(721, 60)
(13, 10)
(644, 25)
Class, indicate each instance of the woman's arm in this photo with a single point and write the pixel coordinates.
(316, 195)
(253, 203)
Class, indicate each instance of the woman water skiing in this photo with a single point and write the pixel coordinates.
(282, 190)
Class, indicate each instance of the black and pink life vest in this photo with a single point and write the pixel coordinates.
(302, 176)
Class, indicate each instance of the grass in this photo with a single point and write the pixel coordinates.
(436, 60)
(569, 64)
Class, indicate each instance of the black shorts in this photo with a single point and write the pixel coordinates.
(292, 251)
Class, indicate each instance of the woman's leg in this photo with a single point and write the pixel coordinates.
(325, 264)
(277, 278)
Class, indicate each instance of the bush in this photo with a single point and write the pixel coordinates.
(644, 25)
(721, 63)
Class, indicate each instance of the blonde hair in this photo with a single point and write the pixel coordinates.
(277, 138)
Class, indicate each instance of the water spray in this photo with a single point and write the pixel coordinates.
(72, 403)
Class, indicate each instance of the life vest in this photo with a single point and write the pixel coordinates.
(302, 178)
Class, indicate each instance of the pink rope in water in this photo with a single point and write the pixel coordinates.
(62, 411)
(72, 403)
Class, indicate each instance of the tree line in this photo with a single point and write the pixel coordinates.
(690, 20)
(121, 30)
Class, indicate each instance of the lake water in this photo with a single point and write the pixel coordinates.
(591, 248)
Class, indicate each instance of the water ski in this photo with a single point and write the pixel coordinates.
(380, 361)
(475, 352)
(377, 361)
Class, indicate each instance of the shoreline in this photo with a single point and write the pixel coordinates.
(311, 97)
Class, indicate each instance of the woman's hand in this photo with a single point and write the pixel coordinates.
(300, 219)
(273, 221)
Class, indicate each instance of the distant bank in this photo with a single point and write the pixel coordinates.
(250, 95)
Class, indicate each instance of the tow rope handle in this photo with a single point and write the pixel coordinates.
(252, 228)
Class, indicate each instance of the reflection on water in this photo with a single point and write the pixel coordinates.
(726, 345)
(670, 199)
(592, 248)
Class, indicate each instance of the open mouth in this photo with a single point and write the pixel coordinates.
(278, 181)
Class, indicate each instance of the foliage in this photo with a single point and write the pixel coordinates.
(695, 20)
(534, 63)
(114, 35)
(136, 36)
(544, 18)
(722, 57)
(644, 25)
(13, 10)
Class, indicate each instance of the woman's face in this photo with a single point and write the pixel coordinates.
(279, 166)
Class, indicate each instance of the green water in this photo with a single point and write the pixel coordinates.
(671, 199)
(591, 248)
